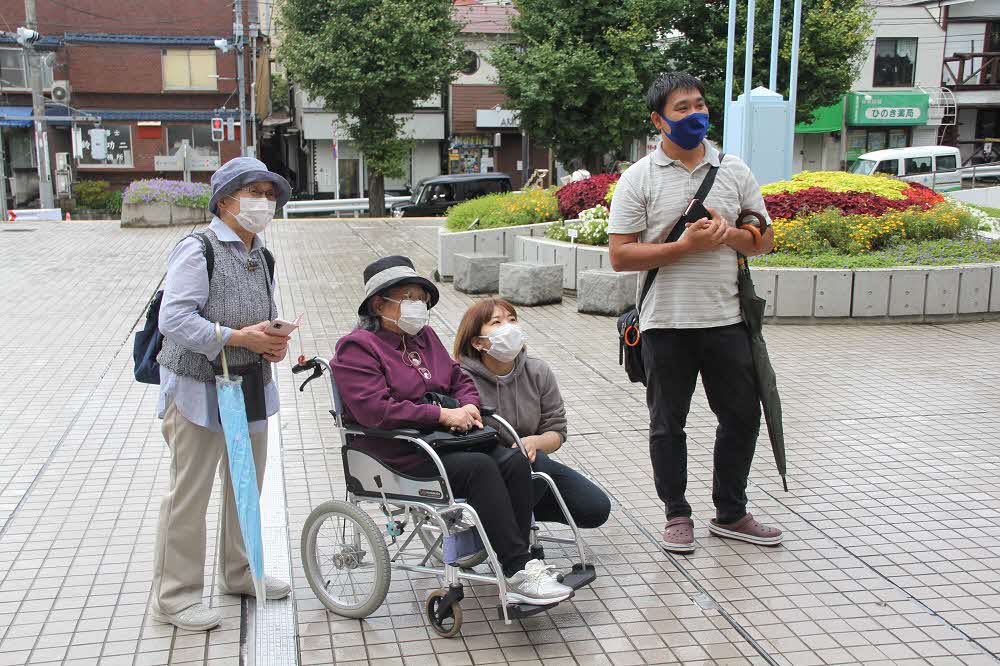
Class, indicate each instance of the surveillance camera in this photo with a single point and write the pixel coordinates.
(222, 45)
(26, 37)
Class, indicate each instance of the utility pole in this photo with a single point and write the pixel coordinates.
(3, 181)
(240, 74)
(254, 34)
(525, 158)
(38, 110)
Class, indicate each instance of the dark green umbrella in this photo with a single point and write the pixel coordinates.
(767, 386)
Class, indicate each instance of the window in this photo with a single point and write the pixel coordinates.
(890, 167)
(118, 145)
(918, 165)
(199, 137)
(469, 63)
(14, 74)
(947, 163)
(189, 69)
(895, 61)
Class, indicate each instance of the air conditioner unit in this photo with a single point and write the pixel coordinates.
(60, 91)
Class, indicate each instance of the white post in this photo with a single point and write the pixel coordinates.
(775, 21)
(34, 64)
(730, 48)
(240, 75)
(748, 84)
(793, 88)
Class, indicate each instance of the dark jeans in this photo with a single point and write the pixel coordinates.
(498, 486)
(587, 503)
(673, 359)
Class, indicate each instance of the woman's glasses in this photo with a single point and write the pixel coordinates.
(256, 193)
(413, 358)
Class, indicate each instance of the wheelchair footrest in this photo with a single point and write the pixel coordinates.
(581, 576)
(520, 611)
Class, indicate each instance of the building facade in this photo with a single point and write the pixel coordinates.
(145, 80)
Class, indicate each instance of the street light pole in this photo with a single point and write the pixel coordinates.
(38, 110)
(240, 74)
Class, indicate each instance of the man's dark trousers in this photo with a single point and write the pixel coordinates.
(673, 359)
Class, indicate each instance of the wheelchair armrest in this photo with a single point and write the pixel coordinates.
(381, 434)
(487, 411)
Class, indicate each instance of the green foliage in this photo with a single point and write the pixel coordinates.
(832, 48)
(576, 73)
(944, 252)
(504, 210)
(92, 193)
(114, 204)
(371, 60)
(592, 228)
(279, 92)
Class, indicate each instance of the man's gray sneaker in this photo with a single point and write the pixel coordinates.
(536, 585)
(275, 589)
(198, 617)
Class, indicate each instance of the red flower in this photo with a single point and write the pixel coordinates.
(786, 205)
(584, 194)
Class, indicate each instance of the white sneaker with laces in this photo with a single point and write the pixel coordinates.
(198, 617)
(536, 585)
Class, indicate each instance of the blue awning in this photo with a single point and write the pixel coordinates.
(10, 116)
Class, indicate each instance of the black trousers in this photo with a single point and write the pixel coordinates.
(587, 503)
(673, 359)
(498, 486)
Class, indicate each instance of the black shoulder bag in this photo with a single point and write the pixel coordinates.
(629, 336)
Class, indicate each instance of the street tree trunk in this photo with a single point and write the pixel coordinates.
(376, 193)
(593, 163)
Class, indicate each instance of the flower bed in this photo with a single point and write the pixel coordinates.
(574, 198)
(592, 227)
(509, 209)
(161, 202)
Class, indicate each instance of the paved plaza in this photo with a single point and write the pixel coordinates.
(892, 553)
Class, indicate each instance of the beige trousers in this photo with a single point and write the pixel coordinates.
(179, 564)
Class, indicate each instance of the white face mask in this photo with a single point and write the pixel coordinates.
(413, 315)
(506, 342)
(255, 213)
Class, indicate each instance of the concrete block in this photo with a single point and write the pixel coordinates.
(590, 258)
(907, 291)
(942, 291)
(145, 215)
(795, 293)
(478, 273)
(764, 285)
(448, 245)
(489, 241)
(833, 293)
(525, 283)
(871, 292)
(605, 292)
(186, 215)
(995, 290)
(527, 250)
(974, 289)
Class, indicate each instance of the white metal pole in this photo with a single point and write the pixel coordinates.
(793, 88)
(748, 84)
(775, 21)
(3, 181)
(730, 48)
(34, 63)
(240, 74)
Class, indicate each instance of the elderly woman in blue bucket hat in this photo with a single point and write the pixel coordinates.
(237, 293)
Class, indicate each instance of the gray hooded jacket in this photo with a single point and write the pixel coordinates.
(528, 398)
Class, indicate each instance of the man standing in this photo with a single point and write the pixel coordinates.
(690, 320)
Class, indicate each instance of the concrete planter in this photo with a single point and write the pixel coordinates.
(487, 241)
(161, 215)
(816, 295)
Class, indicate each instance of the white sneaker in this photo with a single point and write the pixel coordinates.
(536, 585)
(274, 589)
(193, 618)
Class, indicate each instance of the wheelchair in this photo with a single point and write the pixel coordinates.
(345, 555)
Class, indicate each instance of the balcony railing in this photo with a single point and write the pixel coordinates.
(965, 71)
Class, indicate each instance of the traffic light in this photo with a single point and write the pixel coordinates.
(218, 131)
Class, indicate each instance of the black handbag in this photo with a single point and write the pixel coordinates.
(253, 389)
(629, 336)
(483, 439)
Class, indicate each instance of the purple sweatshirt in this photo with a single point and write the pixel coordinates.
(382, 390)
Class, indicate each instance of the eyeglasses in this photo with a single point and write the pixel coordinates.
(256, 193)
(413, 358)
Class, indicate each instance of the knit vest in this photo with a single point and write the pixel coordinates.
(237, 297)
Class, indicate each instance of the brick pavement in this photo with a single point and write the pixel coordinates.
(892, 515)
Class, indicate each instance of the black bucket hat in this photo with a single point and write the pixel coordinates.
(389, 272)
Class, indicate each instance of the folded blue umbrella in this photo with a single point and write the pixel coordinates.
(242, 471)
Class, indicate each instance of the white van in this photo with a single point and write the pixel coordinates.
(936, 167)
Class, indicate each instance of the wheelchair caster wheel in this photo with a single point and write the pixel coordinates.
(444, 612)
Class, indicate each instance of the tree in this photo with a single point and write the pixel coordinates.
(576, 72)
(370, 61)
(832, 48)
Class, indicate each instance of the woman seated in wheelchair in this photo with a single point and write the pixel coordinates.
(490, 345)
(383, 370)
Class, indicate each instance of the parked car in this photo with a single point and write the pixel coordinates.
(937, 167)
(434, 196)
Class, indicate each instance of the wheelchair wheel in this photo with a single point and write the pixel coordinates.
(345, 559)
(429, 533)
(444, 613)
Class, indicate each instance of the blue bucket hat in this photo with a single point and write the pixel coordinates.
(239, 172)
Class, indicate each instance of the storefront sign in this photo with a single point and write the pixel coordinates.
(895, 108)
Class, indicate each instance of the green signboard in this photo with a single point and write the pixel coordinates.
(825, 119)
(887, 108)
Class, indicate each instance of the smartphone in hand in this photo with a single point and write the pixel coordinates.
(282, 327)
(696, 211)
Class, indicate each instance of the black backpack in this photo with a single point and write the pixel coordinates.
(149, 341)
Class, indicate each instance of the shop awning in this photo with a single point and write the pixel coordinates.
(879, 108)
(11, 116)
(825, 119)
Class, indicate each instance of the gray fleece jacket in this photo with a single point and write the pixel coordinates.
(528, 398)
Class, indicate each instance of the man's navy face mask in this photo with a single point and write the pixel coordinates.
(687, 132)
